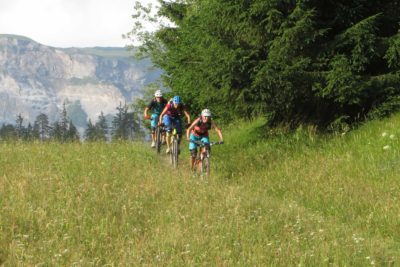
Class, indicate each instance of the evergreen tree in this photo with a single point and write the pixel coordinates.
(57, 132)
(29, 133)
(90, 132)
(64, 124)
(7, 132)
(19, 128)
(120, 123)
(72, 133)
(41, 127)
(291, 61)
(101, 128)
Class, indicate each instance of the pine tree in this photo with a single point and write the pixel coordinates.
(19, 128)
(57, 132)
(41, 127)
(90, 132)
(101, 128)
(7, 132)
(120, 123)
(29, 133)
(290, 61)
(72, 133)
(63, 124)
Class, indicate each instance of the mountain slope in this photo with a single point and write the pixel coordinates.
(37, 79)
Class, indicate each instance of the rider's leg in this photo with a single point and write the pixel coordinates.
(154, 121)
(163, 140)
(153, 137)
(193, 150)
(178, 127)
(167, 123)
(206, 141)
(193, 155)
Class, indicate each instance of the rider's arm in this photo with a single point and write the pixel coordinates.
(149, 107)
(218, 130)
(190, 128)
(162, 114)
(187, 115)
(145, 113)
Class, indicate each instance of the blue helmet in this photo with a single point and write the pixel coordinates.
(177, 99)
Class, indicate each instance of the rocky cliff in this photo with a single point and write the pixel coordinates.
(38, 79)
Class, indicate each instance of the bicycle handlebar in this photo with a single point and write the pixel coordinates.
(200, 143)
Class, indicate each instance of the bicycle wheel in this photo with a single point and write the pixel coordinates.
(205, 166)
(175, 152)
(158, 139)
(171, 152)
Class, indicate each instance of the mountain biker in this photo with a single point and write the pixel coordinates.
(173, 114)
(198, 131)
(156, 105)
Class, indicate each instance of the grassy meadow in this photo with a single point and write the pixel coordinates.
(273, 199)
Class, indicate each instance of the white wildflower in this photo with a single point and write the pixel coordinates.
(384, 134)
(387, 147)
(391, 136)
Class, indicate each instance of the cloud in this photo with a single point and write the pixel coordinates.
(66, 23)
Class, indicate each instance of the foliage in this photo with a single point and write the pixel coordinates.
(7, 132)
(290, 61)
(41, 127)
(97, 132)
(126, 124)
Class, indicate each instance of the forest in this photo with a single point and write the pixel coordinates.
(327, 63)
(124, 125)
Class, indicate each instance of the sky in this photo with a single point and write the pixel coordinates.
(69, 23)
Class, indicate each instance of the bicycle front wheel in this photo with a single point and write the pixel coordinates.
(205, 166)
(171, 153)
(158, 139)
(175, 152)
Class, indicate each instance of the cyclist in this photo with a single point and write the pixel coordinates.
(173, 114)
(198, 131)
(157, 105)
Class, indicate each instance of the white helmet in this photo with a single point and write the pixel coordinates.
(206, 112)
(158, 93)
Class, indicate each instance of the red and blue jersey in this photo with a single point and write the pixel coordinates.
(201, 128)
(175, 112)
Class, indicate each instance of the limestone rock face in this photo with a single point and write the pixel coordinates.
(36, 79)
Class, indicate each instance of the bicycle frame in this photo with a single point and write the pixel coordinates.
(159, 133)
(203, 156)
(174, 148)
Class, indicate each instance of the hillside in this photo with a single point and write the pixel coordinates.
(35, 79)
(274, 199)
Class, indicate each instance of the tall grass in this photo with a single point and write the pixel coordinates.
(273, 199)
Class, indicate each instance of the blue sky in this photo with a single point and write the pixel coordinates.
(69, 23)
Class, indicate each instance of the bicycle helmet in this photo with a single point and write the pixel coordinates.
(158, 93)
(206, 112)
(176, 99)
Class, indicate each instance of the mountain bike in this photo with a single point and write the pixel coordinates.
(203, 157)
(174, 148)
